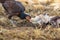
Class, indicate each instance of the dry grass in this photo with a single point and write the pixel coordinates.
(34, 34)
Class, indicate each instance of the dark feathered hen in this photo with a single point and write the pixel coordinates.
(2, 1)
(15, 8)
